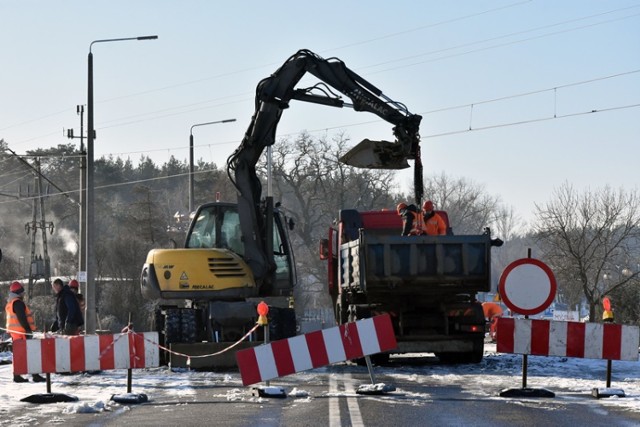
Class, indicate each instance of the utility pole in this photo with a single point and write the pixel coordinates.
(40, 266)
(82, 222)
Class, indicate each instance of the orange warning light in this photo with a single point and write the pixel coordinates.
(263, 308)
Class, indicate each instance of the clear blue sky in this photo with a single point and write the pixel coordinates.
(429, 55)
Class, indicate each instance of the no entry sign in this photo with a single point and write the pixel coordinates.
(527, 286)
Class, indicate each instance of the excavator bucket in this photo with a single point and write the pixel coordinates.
(376, 155)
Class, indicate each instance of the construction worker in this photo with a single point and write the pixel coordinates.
(492, 311)
(433, 224)
(75, 288)
(69, 317)
(20, 323)
(411, 219)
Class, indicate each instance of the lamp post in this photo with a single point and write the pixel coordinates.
(191, 193)
(90, 313)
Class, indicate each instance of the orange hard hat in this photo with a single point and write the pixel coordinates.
(401, 206)
(16, 288)
(74, 283)
(427, 206)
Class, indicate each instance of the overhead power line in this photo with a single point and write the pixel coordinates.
(423, 113)
(182, 175)
(370, 66)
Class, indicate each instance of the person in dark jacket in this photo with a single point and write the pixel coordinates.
(75, 288)
(20, 323)
(69, 316)
(411, 219)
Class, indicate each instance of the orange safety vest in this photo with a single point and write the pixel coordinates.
(435, 226)
(13, 325)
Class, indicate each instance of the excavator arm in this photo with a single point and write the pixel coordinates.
(273, 95)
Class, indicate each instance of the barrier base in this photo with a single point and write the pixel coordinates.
(49, 398)
(269, 391)
(526, 392)
(607, 392)
(375, 389)
(130, 398)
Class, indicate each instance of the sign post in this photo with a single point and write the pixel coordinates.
(527, 286)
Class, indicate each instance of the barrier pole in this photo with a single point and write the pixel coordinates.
(608, 373)
(367, 359)
(525, 359)
(129, 380)
(48, 383)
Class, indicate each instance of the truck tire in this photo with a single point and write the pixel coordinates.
(171, 330)
(188, 326)
(478, 352)
(474, 356)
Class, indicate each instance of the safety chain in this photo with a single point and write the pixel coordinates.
(128, 330)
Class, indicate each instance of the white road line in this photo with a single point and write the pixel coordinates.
(334, 403)
(352, 403)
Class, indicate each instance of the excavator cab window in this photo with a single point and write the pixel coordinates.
(216, 226)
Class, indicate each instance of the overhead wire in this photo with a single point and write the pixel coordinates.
(424, 54)
(375, 65)
(181, 175)
(516, 33)
(424, 113)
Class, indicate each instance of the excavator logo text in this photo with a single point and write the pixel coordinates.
(357, 95)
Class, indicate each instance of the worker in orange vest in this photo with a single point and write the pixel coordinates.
(492, 311)
(20, 322)
(433, 224)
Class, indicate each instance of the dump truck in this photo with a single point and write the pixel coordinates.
(237, 254)
(427, 284)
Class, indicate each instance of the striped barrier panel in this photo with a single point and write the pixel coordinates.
(316, 349)
(86, 353)
(567, 339)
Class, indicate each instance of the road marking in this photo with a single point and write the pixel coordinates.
(334, 403)
(352, 403)
(355, 415)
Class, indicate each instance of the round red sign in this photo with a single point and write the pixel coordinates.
(527, 286)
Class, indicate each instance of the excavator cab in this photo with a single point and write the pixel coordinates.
(217, 226)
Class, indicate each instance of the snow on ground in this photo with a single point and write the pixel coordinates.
(570, 378)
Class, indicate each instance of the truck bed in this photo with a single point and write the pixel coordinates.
(378, 264)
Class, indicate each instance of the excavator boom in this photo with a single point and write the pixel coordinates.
(273, 95)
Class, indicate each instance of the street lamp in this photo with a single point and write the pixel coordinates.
(191, 194)
(90, 311)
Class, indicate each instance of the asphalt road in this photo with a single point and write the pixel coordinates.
(328, 398)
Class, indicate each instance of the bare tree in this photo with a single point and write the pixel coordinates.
(469, 207)
(591, 242)
(313, 186)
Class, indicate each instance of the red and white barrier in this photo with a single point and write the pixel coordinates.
(86, 353)
(568, 339)
(316, 349)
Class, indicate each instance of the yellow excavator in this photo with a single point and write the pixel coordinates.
(237, 254)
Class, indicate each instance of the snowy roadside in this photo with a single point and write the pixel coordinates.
(564, 376)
